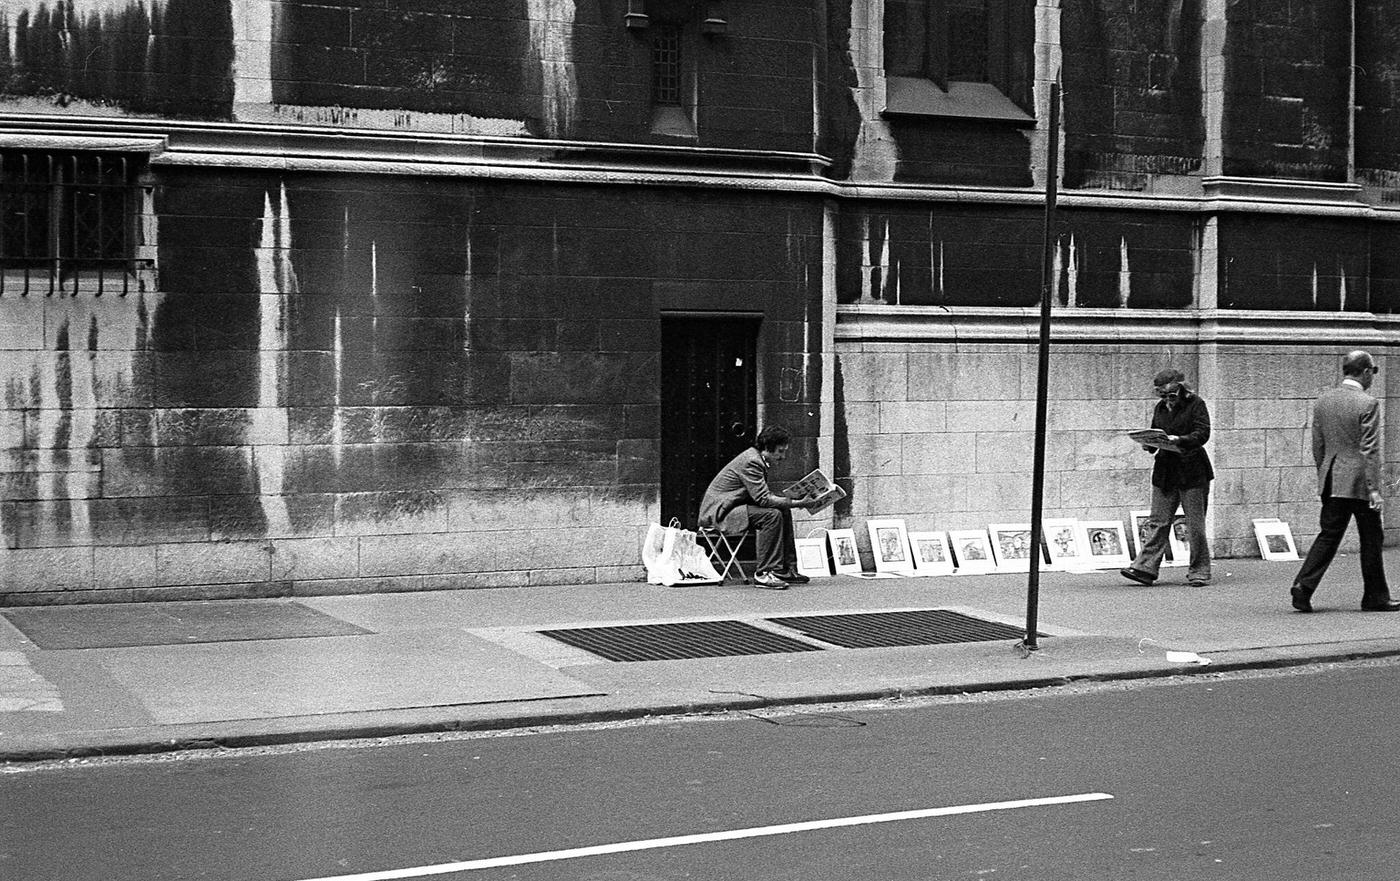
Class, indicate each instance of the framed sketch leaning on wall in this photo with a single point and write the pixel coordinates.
(972, 551)
(889, 542)
(1275, 539)
(1176, 551)
(1106, 543)
(931, 554)
(811, 557)
(1178, 544)
(843, 551)
(1062, 543)
(1013, 546)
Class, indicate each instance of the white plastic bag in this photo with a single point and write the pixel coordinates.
(673, 556)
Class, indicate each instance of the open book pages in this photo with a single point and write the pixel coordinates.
(817, 485)
(1153, 437)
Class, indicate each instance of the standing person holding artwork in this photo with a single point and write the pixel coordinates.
(1346, 439)
(1181, 476)
(738, 499)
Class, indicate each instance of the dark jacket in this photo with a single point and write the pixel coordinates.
(1191, 467)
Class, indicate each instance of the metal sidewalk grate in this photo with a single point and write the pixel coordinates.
(669, 642)
(866, 630)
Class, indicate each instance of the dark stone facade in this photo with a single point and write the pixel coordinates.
(411, 260)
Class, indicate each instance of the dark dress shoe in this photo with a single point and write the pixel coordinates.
(1137, 575)
(792, 576)
(1387, 606)
(1301, 601)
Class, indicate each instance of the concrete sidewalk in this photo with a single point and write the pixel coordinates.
(89, 680)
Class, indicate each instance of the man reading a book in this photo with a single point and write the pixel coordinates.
(1181, 476)
(738, 499)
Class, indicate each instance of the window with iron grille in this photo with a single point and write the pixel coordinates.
(965, 41)
(66, 209)
(666, 65)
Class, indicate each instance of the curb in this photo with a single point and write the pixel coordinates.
(396, 723)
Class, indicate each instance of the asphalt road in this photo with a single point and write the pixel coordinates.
(1287, 775)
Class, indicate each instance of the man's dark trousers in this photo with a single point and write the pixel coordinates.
(774, 545)
(1336, 513)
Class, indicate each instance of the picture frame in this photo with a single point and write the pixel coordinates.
(1275, 539)
(1178, 545)
(812, 559)
(972, 552)
(845, 559)
(1063, 544)
(1012, 543)
(889, 544)
(931, 553)
(1105, 543)
(1177, 551)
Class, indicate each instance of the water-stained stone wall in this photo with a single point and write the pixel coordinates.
(1132, 102)
(378, 383)
(543, 68)
(941, 433)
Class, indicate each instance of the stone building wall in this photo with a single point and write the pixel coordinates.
(393, 312)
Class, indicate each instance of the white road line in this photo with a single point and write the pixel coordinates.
(702, 838)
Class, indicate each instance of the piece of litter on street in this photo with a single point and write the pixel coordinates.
(1186, 657)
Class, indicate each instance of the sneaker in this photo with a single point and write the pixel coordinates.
(792, 576)
(1197, 582)
(1137, 575)
(769, 581)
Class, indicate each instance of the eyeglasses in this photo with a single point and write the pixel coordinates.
(1375, 368)
(1168, 393)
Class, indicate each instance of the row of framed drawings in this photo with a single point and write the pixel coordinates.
(1067, 545)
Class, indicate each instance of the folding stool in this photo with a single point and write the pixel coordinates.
(723, 550)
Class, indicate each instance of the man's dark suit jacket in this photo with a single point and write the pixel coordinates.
(743, 482)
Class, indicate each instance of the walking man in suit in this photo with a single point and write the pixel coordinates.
(739, 499)
(1346, 434)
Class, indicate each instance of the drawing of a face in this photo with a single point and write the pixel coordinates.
(890, 551)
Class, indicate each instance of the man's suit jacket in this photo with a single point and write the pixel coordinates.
(743, 482)
(1346, 442)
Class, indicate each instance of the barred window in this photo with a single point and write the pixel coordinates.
(66, 208)
(666, 65)
(947, 40)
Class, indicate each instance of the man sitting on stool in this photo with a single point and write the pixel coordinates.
(738, 499)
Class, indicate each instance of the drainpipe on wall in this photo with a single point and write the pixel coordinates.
(1351, 101)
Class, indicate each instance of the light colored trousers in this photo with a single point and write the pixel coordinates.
(1193, 503)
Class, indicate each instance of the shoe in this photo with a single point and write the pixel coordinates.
(1137, 575)
(792, 576)
(1301, 601)
(1197, 582)
(769, 581)
(1387, 606)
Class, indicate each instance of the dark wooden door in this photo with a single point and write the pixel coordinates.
(709, 405)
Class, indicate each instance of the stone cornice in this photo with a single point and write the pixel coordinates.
(320, 149)
(856, 324)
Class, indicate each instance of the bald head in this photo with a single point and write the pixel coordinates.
(1356, 362)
